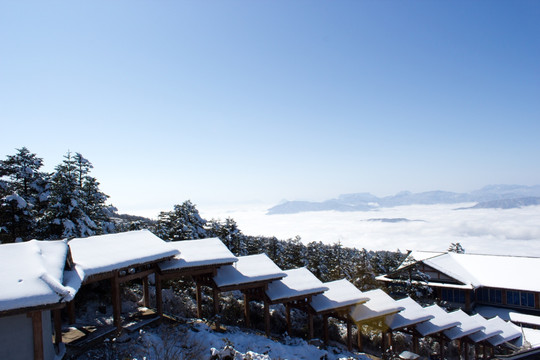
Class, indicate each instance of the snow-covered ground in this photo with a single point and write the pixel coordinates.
(197, 341)
(429, 227)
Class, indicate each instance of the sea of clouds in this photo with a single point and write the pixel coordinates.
(430, 227)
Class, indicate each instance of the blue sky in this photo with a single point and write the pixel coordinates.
(239, 101)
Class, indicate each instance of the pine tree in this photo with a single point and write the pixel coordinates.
(76, 206)
(183, 223)
(24, 195)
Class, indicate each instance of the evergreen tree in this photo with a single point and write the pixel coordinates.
(23, 195)
(183, 223)
(76, 206)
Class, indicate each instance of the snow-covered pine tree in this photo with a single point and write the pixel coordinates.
(229, 233)
(76, 206)
(24, 195)
(183, 223)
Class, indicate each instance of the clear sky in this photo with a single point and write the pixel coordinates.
(226, 101)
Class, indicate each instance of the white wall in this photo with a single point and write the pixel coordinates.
(17, 338)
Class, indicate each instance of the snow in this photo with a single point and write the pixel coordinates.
(21, 203)
(200, 252)
(491, 328)
(104, 253)
(198, 341)
(509, 331)
(413, 313)
(340, 293)
(298, 282)
(467, 325)
(32, 274)
(509, 314)
(441, 321)
(528, 338)
(379, 304)
(497, 271)
(248, 269)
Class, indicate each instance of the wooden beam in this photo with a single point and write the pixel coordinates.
(159, 296)
(288, 317)
(215, 293)
(310, 325)
(359, 338)
(325, 329)
(146, 293)
(415, 344)
(349, 334)
(37, 331)
(116, 302)
(71, 311)
(198, 295)
(246, 310)
(267, 318)
(57, 320)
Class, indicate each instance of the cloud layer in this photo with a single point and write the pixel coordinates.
(488, 231)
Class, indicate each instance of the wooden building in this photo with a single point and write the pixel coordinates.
(469, 280)
(118, 258)
(33, 290)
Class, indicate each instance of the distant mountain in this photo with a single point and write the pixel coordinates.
(367, 201)
(506, 203)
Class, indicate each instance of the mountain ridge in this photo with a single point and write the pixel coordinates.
(365, 201)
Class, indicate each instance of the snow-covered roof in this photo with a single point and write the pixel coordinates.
(440, 322)
(497, 271)
(417, 256)
(248, 269)
(379, 304)
(413, 313)
(104, 253)
(467, 325)
(509, 332)
(195, 253)
(33, 274)
(340, 293)
(509, 315)
(490, 328)
(298, 282)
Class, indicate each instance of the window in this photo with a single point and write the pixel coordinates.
(491, 296)
(453, 295)
(520, 298)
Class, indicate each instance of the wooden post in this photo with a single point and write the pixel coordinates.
(246, 310)
(215, 293)
(390, 340)
(37, 332)
(466, 349)
(415, 343)
(146, 293)
(441, 346)
(359, 338)
(199, 299)
(57, 320)
(71, 311)
(288, 317)
(310, 325)
(159, 295)
(468, 300)
(267, 318)
(325, 329)
(383, 344)
(116, 302)
(349, 334)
